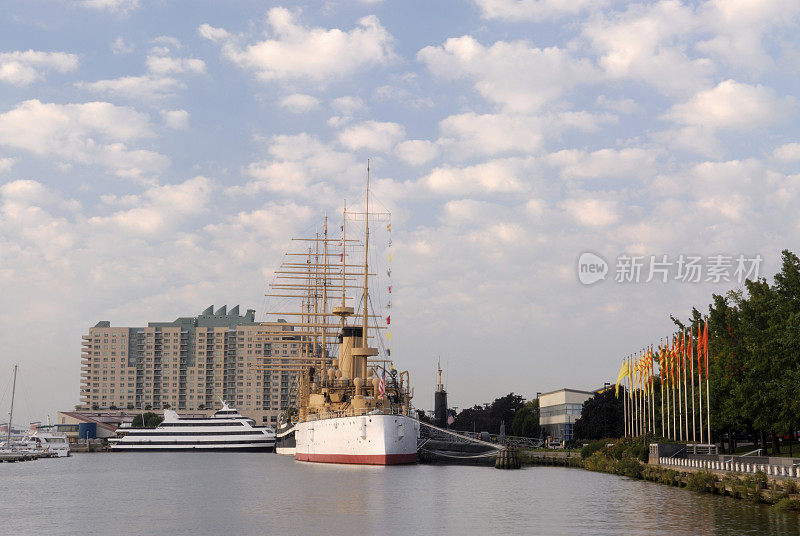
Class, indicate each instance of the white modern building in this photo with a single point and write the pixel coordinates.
(558, 411)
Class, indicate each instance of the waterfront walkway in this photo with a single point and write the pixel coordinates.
(775, 467)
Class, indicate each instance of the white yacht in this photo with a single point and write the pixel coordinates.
(227, 429)
(45, 440)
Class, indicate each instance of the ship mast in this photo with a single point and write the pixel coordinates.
(11, 413)
(366, 265)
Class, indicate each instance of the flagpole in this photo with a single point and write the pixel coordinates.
(679, 429)
(631, 409)
(624, 408)
(639, 395)
(638, 400)
(708, 388)
(628, 395)
(661, 372)
(643, 385)
(691, 363)
(637, 417)
(670, 398)
(652, 394)
(700, 378)
(685, 390)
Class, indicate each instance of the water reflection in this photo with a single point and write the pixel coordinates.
(242, 494)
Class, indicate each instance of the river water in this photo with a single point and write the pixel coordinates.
(267, 494)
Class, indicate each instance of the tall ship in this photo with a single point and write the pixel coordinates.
(352, 405)
(226, 429)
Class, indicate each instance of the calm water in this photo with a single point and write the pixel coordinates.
(250, 493)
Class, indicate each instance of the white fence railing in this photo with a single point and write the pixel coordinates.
(734, 465)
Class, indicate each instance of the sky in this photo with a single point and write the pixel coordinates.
(157, 157)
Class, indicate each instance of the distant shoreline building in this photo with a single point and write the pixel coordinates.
(558, 411)
(189, 364)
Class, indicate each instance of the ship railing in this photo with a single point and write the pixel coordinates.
(353, 412)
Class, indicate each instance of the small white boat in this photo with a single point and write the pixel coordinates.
(227, 429)
(43, 441)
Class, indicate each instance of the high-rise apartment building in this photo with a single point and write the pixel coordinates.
(190, 364)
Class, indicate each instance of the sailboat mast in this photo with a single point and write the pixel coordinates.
(11, 413)
(366, 264)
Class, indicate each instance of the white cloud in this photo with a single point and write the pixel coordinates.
(416, 152)
(469, 134)
(732, 105)
(534, 10)
(739, 30)
(212, 34)
(161, 207)
(161, 65)
(493, 177)
(632, 162)
(623, 105)
(177, 119)
(113, 6)
(300, 53)
(592, 211)
(641, 44)
(789, 152)
(159, 81)
(92, 133)
(298, 163)
(693, 139)
(348, 105)
(299, 103)
(405, 97)
(119, 46)
(23, 67)
(144, 87)
(510, 73)
(168, 41)
(6, 163)
(372, 135)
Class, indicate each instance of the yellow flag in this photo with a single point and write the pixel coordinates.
(389, 335)
(623, 371)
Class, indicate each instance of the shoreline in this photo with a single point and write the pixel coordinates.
(783, 493)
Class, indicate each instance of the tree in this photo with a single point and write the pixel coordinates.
(526, 420)
(147, 420)
(487, 418)
(602, 416)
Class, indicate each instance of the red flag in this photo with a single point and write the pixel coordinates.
(388, 318)
(705, 344)
(699, 351)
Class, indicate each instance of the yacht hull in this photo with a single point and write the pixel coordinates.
(361, 440)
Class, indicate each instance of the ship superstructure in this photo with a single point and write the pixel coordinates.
(353, 406)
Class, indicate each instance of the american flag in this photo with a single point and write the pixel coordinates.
(382, 385)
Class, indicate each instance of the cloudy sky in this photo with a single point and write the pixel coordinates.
(155, 158)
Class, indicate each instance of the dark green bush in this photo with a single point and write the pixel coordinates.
(591, 448)
(701, 481)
